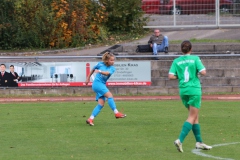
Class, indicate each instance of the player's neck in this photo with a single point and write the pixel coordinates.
(187, 54)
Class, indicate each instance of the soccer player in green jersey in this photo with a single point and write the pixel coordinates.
(186, 69)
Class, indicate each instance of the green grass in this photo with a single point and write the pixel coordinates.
(57, 131)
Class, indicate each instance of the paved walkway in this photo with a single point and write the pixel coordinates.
(118, 98)
(177, 34)
(227, 34)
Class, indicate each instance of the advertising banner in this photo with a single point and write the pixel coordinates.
(55, 74)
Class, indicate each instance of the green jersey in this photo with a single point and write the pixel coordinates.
(186, 68)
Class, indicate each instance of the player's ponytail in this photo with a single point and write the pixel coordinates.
(106, 56)
(186, 46)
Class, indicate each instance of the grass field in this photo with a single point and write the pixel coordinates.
(57, 131)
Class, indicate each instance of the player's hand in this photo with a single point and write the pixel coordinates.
(96, 70)
(87, 81)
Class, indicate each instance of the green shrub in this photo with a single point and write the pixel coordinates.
(124, 15)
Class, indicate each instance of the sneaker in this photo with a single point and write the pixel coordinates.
(120, 115)
(203, 146)
(90, 122)
(178, 144)
(166, 50)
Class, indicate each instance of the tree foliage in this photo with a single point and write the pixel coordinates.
(124, 15)
(64, 23)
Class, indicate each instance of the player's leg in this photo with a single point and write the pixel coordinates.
(197, 133)
(96, 111)
(187, 125)
(98, 108)
(112, 105)
(186, 128)
(192, 115)
(196, 101)
(98, 88)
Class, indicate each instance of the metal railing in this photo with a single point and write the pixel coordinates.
(36, 58)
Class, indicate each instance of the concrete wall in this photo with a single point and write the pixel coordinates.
(223, 75)
(197, 48)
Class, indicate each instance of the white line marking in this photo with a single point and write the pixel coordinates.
(198, 151)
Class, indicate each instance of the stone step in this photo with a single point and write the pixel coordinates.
(174, 49)
(205, 48)
(123, 90)
(172, 55)
(205, 81)
(208, 63)
(154, 90)
(175, 53)
(234, 72)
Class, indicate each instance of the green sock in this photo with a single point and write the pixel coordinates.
(186, 128)
(197, 132)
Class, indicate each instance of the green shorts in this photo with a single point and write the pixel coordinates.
(191, 100)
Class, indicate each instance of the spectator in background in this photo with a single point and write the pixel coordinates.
(158, 42)
(4, 76)
(13, 77)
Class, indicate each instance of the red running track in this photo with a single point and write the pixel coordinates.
(117, 98)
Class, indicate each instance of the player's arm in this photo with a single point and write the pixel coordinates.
(172, 72)
(106, 73)
(172, 76)
(203, 72)
(200, 67)
(88, 77)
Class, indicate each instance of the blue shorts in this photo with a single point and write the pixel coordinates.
(100, 89)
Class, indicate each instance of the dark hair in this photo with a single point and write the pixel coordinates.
(186, 46)
(12, 66)
(3, 65)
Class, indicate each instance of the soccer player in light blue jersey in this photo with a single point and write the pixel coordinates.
(103, 72)
(186, 69)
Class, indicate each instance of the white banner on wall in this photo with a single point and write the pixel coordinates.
(37, 74)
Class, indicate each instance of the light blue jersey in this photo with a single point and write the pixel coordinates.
(100, 77)
(99, 82)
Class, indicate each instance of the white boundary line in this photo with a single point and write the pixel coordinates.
(198, 151)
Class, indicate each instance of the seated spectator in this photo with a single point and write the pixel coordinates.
(4, 76)
(13, 77)
(158, 42)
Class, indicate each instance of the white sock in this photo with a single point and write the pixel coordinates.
(115, 111)
(91, 117)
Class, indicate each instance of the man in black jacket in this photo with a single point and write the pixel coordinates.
(4, 76)
(13, 77)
